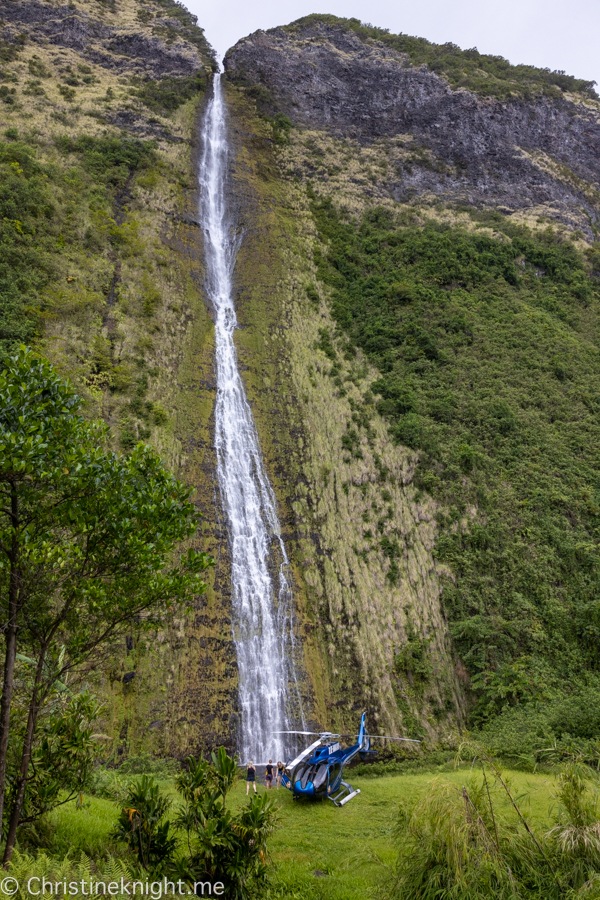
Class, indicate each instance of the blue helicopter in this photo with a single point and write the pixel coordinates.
(318, 771)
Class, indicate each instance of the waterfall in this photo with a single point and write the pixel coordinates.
(262, 603)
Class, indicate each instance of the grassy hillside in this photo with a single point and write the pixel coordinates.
(481, 328)
(487, 345)
(94, 158)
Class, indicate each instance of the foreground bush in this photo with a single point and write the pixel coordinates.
(219, 845)
(475, 842)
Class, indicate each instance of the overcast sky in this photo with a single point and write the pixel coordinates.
(553, 33)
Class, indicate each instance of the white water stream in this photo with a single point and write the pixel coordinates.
(262, 603)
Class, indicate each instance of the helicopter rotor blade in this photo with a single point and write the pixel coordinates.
(317, 733)
(386, 737)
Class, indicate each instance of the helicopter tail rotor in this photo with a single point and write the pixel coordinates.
(363, 735)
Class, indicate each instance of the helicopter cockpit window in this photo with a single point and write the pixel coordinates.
(302, 775)
(307, 773)
(320, 776)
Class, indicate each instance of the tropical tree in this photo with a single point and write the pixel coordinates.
(63, 754)
(87, 541)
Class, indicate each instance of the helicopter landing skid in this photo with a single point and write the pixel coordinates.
(344, 794)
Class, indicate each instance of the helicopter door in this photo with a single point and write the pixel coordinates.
(335, 771)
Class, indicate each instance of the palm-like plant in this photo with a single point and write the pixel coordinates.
(142, 825)
(222, 845)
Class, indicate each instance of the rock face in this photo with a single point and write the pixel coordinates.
(132, 47)
(518, 154)
(353, 616)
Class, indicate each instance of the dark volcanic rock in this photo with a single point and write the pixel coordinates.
(99, 43)
(325, 76)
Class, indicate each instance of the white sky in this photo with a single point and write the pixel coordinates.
(553, 33)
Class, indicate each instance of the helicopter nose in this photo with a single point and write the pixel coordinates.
(307, 791)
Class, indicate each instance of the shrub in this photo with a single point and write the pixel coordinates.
(170, 93)
(476, 842)
(143, 827)
(220, 845)
(110, 160)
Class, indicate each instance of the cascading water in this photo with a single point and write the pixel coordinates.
(263, 627)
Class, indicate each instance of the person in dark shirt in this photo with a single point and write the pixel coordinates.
(280, 769)
(269, 774)
(251, 777)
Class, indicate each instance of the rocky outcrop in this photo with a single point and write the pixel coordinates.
(517, 154)
(131, 48)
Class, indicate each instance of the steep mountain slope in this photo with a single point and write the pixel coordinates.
(101, 267)
(454, 262)
(104, 273)
(366, 585)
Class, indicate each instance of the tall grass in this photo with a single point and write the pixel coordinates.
(474, 841)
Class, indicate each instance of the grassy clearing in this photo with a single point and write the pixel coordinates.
(354, 847)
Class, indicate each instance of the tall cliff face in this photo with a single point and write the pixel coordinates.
(440, 306)
(361, 535)
(539, 154)
(112, 97)
(102, 269)
(417, 290)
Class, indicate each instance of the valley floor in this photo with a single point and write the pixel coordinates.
(320, 852)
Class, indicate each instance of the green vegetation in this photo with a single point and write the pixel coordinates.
(490, 76)
(63, 752)
(380, 840)
(168, 94)
(110, 160)
(38, 220)
(461, 843)
(87, 540)
(194, 829)
(143, 827)
(488, 348)
(28, 236)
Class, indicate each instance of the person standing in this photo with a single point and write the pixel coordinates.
(250, 777)
(269, 774)
(280, 768)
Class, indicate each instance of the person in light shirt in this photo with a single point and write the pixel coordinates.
(250, 777)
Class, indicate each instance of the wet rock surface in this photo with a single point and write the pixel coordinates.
(516, 154)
